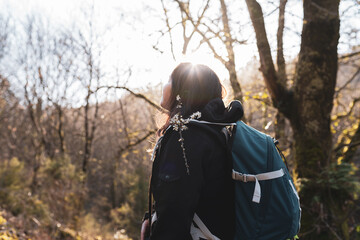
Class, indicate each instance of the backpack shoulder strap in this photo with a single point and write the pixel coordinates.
(205, 231)
(227, 130)
(213, 123)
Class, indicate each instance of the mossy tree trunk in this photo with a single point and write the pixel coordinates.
(313, 99)
(308, 105)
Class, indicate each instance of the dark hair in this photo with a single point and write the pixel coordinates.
(196, 85)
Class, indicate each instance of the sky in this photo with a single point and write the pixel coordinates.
(134, 28)
(126, 43)
(129, 30)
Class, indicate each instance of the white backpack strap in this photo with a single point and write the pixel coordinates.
(196, 233)
(256, 178)
(213, 123)
(204, 230)
(153, 218)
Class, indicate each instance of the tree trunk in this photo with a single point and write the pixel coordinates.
(313, 97)
(308, 107)
(281, 72)
(235, 85)
(230, 64)
(87, 134)
(280, 128)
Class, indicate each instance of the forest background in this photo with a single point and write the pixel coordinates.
(80, 83)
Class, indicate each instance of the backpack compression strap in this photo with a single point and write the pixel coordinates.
(256, 178)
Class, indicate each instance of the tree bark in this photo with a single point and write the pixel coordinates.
(281, 97)
(280, 60)
(230, 64)
(315, 81)
(280, 123)
(308, 108)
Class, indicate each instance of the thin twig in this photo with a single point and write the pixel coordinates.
(195, 24)
(352, 105)
(130, 145)
(138, 95)
(349, 55)
(169, 29)
(347, 82)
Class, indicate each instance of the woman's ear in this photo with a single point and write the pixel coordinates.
(166, 96)
(223, 92)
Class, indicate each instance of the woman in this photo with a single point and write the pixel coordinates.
(191, 170)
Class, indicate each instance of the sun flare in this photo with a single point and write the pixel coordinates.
(205, 58)
(199, 58)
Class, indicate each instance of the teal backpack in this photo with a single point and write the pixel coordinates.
(266, 202)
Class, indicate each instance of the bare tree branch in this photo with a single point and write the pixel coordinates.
(280, 60)
(352, 106)
(230, 65)
(349, 55)
(347, 82)
(124, 122)
(228, 38)
(280, 51)
(352, 148)
(216, 34)
(169, 29)
(186, 11)
(138, 141)
(276, 89)
(59, 111)
(138, 95)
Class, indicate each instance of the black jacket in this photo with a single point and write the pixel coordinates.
(208, 190)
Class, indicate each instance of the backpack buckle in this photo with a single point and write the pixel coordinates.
(239, 176)
(244, 179)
